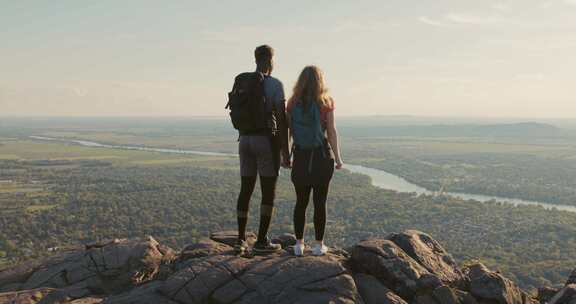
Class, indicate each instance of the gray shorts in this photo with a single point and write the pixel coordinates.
(257, 156)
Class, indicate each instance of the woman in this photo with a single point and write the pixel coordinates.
(311, 119)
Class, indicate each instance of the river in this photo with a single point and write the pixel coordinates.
(380, 178)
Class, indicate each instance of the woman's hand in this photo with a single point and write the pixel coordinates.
(339, 164)
(285, 162)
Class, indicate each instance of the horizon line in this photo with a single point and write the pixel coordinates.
(342, 116)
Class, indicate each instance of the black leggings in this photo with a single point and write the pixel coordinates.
(268, 186)
(319, 198)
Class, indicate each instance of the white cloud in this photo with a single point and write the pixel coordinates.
(125, 36)
(554, 3)
(242, 33)
(500, 7)
(530, 76)
(353, 25)
(232, 34)
(430, 21)
(473, 19)
(79, 92)
(465, 19)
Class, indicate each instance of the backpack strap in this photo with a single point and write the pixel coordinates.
(234, 88)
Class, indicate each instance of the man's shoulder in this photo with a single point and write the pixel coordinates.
(274, 81)
(244, 75)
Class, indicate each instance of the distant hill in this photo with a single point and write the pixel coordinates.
(348, 126)
(523, 129)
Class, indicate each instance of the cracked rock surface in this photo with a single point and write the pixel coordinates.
(402, 268)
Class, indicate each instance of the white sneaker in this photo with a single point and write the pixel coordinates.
(319, 249)
(299, 249)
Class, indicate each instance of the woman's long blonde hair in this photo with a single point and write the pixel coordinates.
(311, 87)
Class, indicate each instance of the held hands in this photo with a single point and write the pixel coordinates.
(285, 163)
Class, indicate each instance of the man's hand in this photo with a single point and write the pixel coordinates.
(286, 165)
(339, 164)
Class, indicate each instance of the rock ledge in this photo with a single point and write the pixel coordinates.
(409, 267)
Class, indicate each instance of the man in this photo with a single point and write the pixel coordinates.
(261, 146)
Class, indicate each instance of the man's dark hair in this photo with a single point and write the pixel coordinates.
(263, 53)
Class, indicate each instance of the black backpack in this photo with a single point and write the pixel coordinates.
(247, 104)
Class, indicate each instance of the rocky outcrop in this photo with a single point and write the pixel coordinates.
(409, 267)
(430, 254)
(26, 296)
(572, 278)
(374, 292)
(391, 265)
(545, 294)
(492, 287)
(566, 295)
(102, 268)
(278, 279)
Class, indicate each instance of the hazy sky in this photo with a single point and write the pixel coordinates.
(419, 57)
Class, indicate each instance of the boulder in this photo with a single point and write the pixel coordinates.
(88, 300)
(390, 264)
(201, 277)
(204, 248)
(571, 278)
(276, 279)
(429, 282)
(446, 295)
(465, 297)
(13, 277)
(408, 267)
(374, 292)
(424, 299)
(430, 254)
(492, 287)
(31, 296)
(148, 293)
(545, 294)
(68, 294)
(566, 295)
(106, 268)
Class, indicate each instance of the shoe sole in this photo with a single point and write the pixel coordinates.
(299, 255)
(319, 253)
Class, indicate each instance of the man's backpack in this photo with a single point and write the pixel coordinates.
(307, 128)
(247, 104)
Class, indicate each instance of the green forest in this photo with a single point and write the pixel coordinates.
(55, 195)
(82, 202)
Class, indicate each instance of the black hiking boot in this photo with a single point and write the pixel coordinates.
(266, 247)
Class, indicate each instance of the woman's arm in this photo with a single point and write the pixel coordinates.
(286, 163)
(283, 130)
(333, 138)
